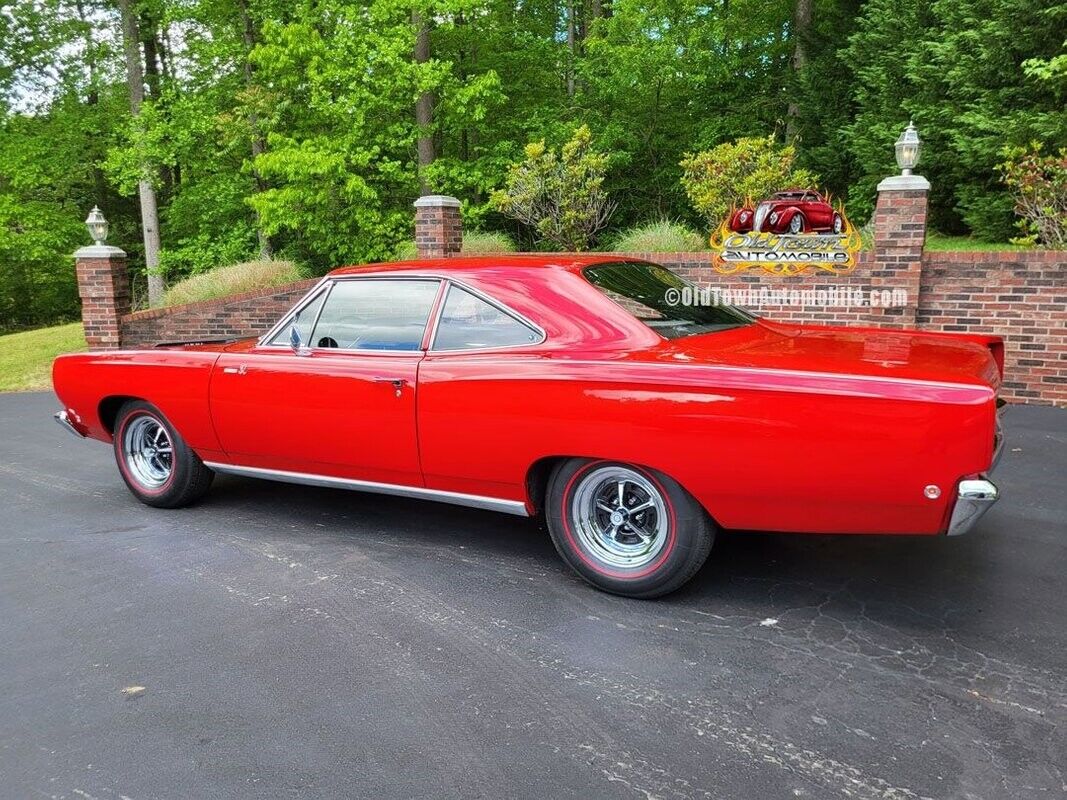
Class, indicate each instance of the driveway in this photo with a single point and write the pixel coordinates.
(297, 642)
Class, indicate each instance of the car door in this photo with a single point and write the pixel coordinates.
(817, 211)
(343, 405)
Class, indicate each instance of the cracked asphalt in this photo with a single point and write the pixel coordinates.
(313, 643)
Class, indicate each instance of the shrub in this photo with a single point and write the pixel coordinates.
(733, 173)
(1038, 185)
(234, 279)
(663, 236)
(561, 196)
(487, 242)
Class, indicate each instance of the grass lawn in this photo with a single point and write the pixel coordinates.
(938, 242)
(26, 357)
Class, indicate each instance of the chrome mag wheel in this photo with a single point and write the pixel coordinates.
(148, 451)
(619, 516)
(796, 224)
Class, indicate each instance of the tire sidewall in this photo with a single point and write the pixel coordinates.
(685, 518)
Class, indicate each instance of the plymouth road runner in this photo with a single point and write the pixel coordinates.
(567, 387)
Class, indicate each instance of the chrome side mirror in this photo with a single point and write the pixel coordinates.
(295, 342)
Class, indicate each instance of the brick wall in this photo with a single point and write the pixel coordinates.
(250, 314)
(1021, 296)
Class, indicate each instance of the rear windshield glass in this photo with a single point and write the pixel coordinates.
(654, 295)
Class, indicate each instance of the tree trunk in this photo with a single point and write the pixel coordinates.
(425, 103)
(259, 144)
(802, 13)
(145, 189)
(92, 97)
(572, 45)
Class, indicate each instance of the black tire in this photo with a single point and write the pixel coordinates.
(685, 534)
(162, 479)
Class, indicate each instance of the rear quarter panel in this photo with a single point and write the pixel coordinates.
(175, 381)
(759, 450)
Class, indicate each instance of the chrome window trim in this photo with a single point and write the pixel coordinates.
(499, 306)
(264, 340)
(516, 507)
(330, 282)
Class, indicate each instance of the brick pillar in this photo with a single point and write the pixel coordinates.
(438, 226)
(104, 288)
(899, 235)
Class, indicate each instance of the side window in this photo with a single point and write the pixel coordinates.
(303, 322)
(468, 322)
(374, 314)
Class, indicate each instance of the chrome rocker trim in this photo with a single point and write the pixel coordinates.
(63, 418)
(308, 479)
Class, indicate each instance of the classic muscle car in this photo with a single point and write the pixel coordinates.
(569, 387)
(795, 211)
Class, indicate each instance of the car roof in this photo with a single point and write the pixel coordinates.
(571, 262)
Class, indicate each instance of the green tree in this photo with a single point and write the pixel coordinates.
(560, 196)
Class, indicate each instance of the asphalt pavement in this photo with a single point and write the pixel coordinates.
(278, 641)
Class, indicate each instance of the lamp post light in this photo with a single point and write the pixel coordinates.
(908, 147)
(97, 226)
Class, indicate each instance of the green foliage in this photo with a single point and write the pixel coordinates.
(662, 236)
(487, 242)
(1038, 186)
(735, 173)
(306, 132)
(560, 196)
(233, 279)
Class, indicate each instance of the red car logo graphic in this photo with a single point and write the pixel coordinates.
(793, 211)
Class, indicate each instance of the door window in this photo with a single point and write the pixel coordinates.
(468, 322)
(375, 314)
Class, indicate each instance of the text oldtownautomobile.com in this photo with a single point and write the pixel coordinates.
(757, 296)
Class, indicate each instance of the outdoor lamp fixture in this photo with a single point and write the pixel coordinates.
(97, 225)
(908, 147)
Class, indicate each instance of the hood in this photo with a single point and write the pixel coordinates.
(909, 355)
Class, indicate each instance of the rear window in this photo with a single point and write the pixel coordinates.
(651, 293)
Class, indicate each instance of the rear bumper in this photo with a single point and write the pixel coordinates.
(976, 496)
(63, 418)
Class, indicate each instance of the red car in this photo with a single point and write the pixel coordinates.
(795, 211)
(575, 388)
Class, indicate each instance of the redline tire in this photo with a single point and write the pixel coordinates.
(153, 459)
(642, 555)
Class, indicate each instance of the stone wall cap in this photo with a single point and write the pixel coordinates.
(437, 201)
(99, 251)
(904, 183)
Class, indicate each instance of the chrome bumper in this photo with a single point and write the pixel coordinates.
(975, 497)
(64, 419)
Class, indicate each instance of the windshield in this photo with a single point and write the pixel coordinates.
(654, 295)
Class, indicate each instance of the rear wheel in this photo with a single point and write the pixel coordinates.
(154, 460)
(626, 529)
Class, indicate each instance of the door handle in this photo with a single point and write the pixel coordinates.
(241, 370)
(398, 383)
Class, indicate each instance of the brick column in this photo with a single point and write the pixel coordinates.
(104, 288)
(899, 235)
(438, 226)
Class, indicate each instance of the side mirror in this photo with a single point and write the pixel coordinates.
(295, 342)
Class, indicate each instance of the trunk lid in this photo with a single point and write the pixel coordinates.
(909, 355)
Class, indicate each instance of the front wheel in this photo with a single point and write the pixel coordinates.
(156, 463)
(626, 529)
(796, 224)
